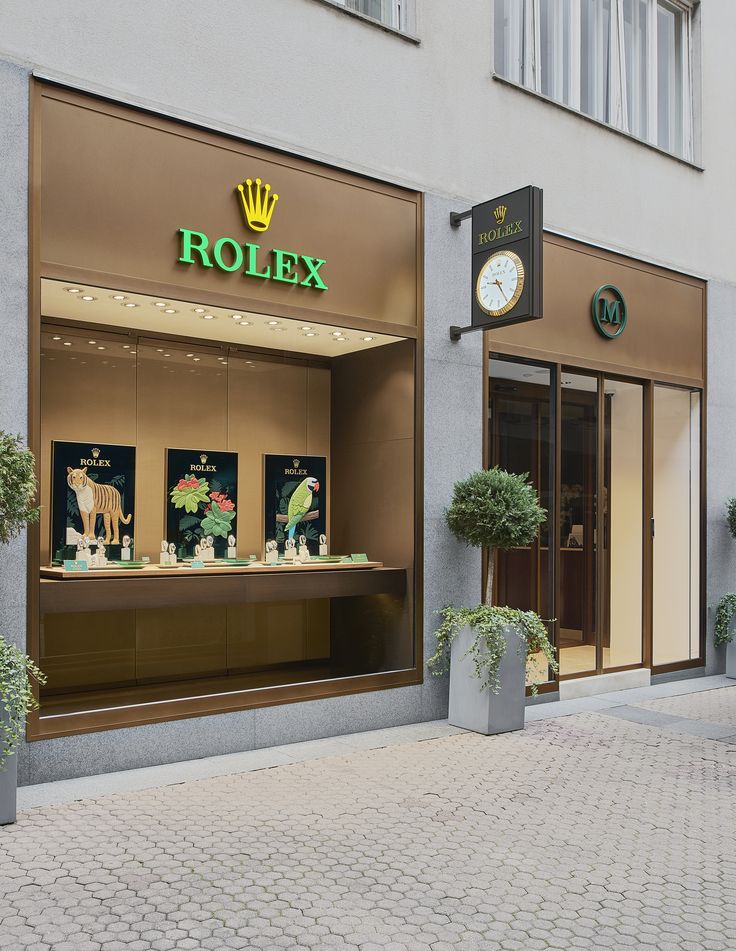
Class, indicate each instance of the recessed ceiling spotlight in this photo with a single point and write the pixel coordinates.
(159, 303)
(190, 354)
(307, 327)
(341, 339)
(56, 338)
(199, 310)
(167, 354)
(118, 297)
(197, 359)
(169, 310)
(67, 343)
(236, 316)
(73, 290)
(337, 333)
(208, 317)
(159, 349)
(88, 297)
(91, 342)
(311, 333)
(279, 328)
(273, 323)
(131, 304)
(245, 323)
(133, 351)
(224, 363)
(367, 339)
(102, 348)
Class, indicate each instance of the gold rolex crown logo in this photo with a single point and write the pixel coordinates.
(499, 213)
(258, 203)
(296, 463)
(95, 453)
(203, 458)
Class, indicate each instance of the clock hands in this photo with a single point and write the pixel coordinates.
(500, 287)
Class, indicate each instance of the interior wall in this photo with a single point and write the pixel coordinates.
(373, 491)
(676, 540)
(625, 507)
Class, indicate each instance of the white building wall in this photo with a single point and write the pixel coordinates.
(317, 80)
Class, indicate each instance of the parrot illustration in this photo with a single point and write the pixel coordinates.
(300, 503)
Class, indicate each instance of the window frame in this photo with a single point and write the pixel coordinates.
(403, 22)
(687, 118)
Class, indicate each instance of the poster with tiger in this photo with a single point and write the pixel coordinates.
(92, 495)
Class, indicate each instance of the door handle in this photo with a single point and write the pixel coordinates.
(652, 524)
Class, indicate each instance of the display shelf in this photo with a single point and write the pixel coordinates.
(121, 590)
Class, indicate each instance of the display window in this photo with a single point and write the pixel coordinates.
(228, 482)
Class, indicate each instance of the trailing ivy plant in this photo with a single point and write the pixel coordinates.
(489, 643)
(724, 615)
(16, 696)
(493, 509)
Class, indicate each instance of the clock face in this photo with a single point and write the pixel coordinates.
(500, 283)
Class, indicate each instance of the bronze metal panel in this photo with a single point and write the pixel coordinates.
(664, 336)
(117, 184)
(99, 594)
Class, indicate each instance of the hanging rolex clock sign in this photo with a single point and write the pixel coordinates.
(506, 260)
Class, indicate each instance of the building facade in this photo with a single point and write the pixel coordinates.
(152, 309)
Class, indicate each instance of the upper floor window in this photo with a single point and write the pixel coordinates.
(397, 14)
(623, 62)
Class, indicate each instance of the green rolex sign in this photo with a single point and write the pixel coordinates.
(609, 311)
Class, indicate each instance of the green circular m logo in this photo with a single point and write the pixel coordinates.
(609, 311)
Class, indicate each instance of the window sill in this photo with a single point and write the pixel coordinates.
(401, 34)
(597, 122)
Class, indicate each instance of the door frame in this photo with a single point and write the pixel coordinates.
(556, 370)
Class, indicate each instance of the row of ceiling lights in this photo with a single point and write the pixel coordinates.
(203, 313)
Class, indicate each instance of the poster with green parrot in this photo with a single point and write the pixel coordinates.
(295, 501)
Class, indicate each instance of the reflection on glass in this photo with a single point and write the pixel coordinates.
(621, 584)
(577, 584)
(519, 431)
(676, 633)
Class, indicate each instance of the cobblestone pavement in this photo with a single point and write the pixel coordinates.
(589, 831)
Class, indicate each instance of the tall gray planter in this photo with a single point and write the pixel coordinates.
(8, 789)
(480, 710)
(731, 659)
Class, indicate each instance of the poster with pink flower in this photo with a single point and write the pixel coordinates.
(201, 498)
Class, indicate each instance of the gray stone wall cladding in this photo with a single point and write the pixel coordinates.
(720, 460)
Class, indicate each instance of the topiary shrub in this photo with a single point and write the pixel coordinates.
(495, 509)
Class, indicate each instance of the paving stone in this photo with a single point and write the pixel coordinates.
(595, 830)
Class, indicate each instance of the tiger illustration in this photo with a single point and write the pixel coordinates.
(94, 500)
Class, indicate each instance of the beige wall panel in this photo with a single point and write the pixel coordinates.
(109, 170)
(180, 642)
(666, 315)
(273, 408)
(179, 407)
(86, 394)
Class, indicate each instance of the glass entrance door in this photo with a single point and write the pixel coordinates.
(581, 438)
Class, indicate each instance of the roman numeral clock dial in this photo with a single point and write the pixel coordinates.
(500, 283)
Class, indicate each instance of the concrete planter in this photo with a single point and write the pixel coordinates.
(8, 787)
(481, 710)
(731, 659)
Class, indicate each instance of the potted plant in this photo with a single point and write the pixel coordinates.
(17, 491)
(487, 646)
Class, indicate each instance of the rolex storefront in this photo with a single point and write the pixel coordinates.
(602, 403)
(225, 356)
